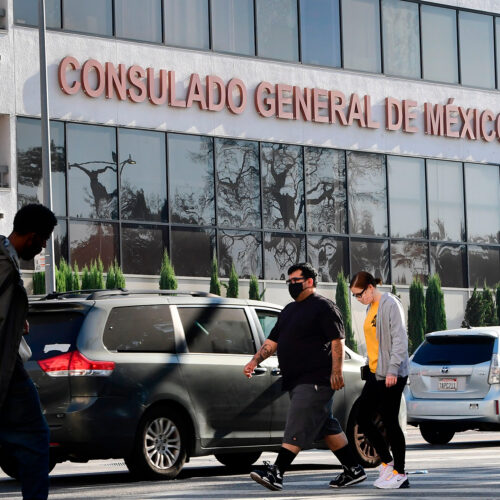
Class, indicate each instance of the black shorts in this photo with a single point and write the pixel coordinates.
(310, 415)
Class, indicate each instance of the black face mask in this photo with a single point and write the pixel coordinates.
(295, 289)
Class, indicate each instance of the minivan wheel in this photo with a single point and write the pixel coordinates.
(160, 449)
(360, 445)
(436, 433)
(238, 461)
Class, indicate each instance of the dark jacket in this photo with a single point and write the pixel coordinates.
(13, 313)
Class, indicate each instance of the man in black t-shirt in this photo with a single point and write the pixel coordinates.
(308, 337)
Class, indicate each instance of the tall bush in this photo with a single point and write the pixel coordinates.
(60, 280)
(214, 277)
(75, 278)
(416, 315)
(97, 274)
(474, 311)
(434, 306)
(233, 284)
(254, 292)
(168, 281)
(489, 309)
(394, 291)
(342, 301)
(119, 277)
(86, 285)
(111, 278)
(114, 277)
(66, 275)
(39, 283)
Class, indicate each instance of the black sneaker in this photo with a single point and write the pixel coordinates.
(351, 475)
(268, 476)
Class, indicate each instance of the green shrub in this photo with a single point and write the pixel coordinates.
(394, 291)
(86, 284)
(75, 278)
(60, 280)
(416, 315)
(66, 275)
(214, 277)
(434, 306)
(97, 275)
(254, 292)
(474, 311)
(119, 277)
(342, 301)
(39, 283)
(111, 278)
(168, 281)
(233, 285)
(489, 309)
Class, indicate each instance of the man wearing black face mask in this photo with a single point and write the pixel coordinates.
(24, 434)
(309, 337)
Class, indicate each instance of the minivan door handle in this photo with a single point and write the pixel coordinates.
(260, 370)
(276, 371)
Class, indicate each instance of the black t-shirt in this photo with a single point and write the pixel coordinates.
(304, 332)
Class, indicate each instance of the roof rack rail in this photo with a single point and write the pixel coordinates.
(121, 292)
(73, 294)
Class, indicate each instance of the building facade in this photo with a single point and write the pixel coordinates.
(355, 134)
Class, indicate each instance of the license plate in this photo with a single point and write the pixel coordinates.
(447, 384)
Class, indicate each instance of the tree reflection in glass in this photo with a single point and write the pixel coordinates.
(371, 256)
(484, 265)
(283, 186)
(328, 255)
(191, 178)
(325, 190)
(238, 183)
(367, 193)
(449, 261)
(409, 260)
(242, 249)
(280, 252)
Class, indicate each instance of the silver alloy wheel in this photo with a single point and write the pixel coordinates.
(364, 447)
(162, 443)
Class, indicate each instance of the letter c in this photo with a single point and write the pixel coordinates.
(73, 64)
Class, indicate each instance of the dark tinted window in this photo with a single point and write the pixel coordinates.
(282, 250)
(216, 330)
(328, 255)
(371, 256)
(91, 16)
(243, 249)
(267, 320)
(484, 266)
(450, 262)
(192, 250)
(459, 350)
(140, 329)
(186, 23)
(53, 333)
(139, 20)
(26, 12)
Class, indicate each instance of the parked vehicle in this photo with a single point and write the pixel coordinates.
(455, 383)
(156, 378)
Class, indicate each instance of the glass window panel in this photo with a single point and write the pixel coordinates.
(238, 183)
(244, 249)
(325, 190)
(186, 23)
(446, 200)
(361, 34)
(92, 179)
(409, 260)
(143, 175)
(407, 197)
(26, 12)
(233, 26)
(328, 255)
(449, 261)
(283, 186)
(142, 248)
(482, 187)
(282, 251)
(367, 193)
(277, 29)
(29, 164)
(60, 237)
(192, 251)
(139, 20)
(371, 256)
(191, 179)
(439, 44)
(497, 38)
(91, 16)
(320, 32)
(90, 240)
(484, 266)
(477, 50)
(401, 38)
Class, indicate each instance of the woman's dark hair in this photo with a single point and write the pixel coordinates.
(307, 269)
(363, 279)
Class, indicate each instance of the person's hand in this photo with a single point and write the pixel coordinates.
(337, 380)
(390, 380)
(249, 368)
(26, 327)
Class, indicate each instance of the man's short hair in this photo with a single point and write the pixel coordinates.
(307, 269)
(35, 218)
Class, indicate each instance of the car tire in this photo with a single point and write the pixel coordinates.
(160, 448)
(436, 433)
(359, 443)
(238, 461)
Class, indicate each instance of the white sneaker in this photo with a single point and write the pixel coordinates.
(385, 471)
(394, 481)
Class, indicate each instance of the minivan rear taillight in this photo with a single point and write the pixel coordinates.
(494, 376)
(75, 364)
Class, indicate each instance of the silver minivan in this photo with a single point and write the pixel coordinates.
(454, 383)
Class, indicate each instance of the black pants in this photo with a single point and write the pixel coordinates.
(377, 398)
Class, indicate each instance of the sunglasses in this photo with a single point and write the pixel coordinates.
(360, 294)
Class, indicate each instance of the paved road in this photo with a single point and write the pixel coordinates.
(467, 468)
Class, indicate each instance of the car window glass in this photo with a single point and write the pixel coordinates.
(459, 350)
(140, 329)
(53, 333)
(267, 320)
(217, 330)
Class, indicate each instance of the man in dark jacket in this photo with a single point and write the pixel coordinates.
(24, 434)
